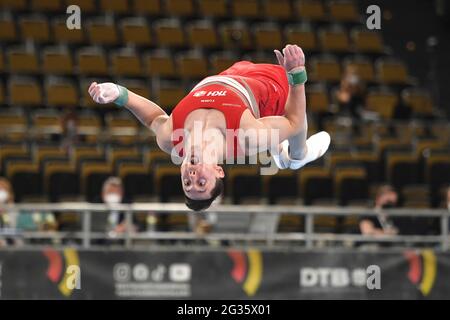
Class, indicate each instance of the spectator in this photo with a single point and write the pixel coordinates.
(351, 95)
(69, 126)
(381, 224)
(8, 218)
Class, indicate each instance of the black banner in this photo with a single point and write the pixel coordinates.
(233, 274)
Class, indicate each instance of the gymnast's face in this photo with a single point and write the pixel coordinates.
(198, 178)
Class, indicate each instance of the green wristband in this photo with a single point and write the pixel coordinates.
(296, 78)
(123, 96)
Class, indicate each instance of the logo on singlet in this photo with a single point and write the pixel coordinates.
(210, 93)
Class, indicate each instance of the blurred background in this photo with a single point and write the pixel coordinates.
(85, 184)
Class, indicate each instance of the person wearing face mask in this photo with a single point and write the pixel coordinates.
(351, 94)
(7, 218)
(381, 224)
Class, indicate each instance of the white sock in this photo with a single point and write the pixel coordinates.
(316, 145)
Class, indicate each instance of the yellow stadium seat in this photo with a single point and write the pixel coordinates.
(315, 183)
(424, 146)
(116, 155)
(156, 156)
(268, 36)
(57, 62)
(180, 8)
(34, 28)
(169, 33)
(132, 168)
(90, 169)
(312, 10)
(367, 41)
(14, 121)
(140, 88)
(102, 32)
(279, 9)
(419, 100)
(115, 6)
(222, 61)
(92, 62)
(14, 5)
(192, 65)
(325, 69)
(202, 34)
(304, 37)
(334, 40)
(364, 68)
(46, 5)
(86, 6)
(126, 63)
(344, 11)
(7, 30)
(245, 8)
(290, 223)
(160, 63)
(235, 35)
(22, 61)
(244, 184)
(351, 184)
(147, 7)
(64, 35)
(166, 171)
(42, 153)
(136, 31)
(402, 169)
(61, 93)
(392, 72)
(213, 8)
(88, 124)
(170, 95)
(317, 99)
(48, 122)
(383, 102)
(122, 128)
(14, 168)
(25, 91)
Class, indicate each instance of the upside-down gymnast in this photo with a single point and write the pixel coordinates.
(247, 96)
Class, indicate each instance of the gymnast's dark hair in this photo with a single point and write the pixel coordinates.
(199, 205)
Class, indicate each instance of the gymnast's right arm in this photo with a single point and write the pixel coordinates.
(149, 113)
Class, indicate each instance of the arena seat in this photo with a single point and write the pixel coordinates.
(245, 8)
(325, 224)
(47, 121)
(93, 174)
(213, 8)
(277, 9)
(139, 87)
(202, 33)
(334, 40)
(301, 35)
(136, 31)
(56, 60)
(181, 8)
(22, 61)
(8, 32)
(16, 152)
(317, 97)
(382, 101)
(147, 7)
(13, 125)
(244, 184)
(290, 223)
(114, 6)
(159, 63)
(156, 157)
(122, 127)
(137, 179)
(64, 35)
(14, 5)
(351, 184)
(315, 184)
(366, 41)
(268, 36)
(169, 95)
(61, 92)
(222, 61)
(25, 91)
(88, 124)
(92, 61)
(126, 63)
(25, 178)
(86, 6)
(168, 182)
(402, 169)
(61, 180)
(280, 186)
(325, 68)
(47, 6)
(192, 65)
(343, 11)
(35, 28)
(415, 196)
(312, 10)
(169, 33)
(102, 31)
(437, 174)
(419, 100)
(362, 66)
(391, 71)
(235, 35)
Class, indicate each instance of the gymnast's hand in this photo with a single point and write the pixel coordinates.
(291, 58)
(104, 93)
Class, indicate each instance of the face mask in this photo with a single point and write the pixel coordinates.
(112, 198)
(389, 205)
(3, 196)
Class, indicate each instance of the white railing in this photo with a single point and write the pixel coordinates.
(308, 237)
